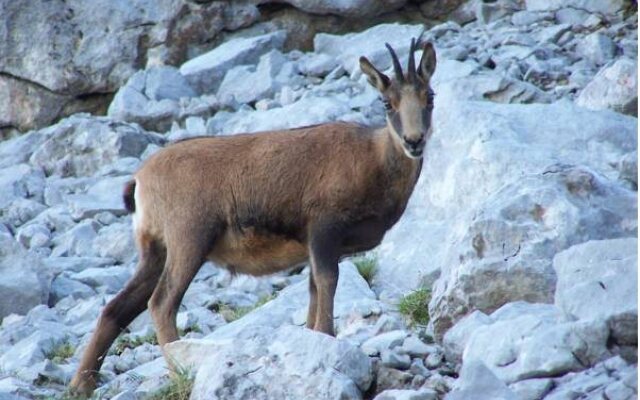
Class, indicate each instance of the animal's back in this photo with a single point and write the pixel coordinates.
(260, 188)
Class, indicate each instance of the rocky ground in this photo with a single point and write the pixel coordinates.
(519, 243)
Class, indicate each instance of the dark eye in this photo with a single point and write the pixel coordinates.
(430, 96)
(387, 104)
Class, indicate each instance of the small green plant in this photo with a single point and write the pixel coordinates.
(414, 306)
(61, 352)
(231, 314)
(131, 342)
(367, 266)
(178, 388)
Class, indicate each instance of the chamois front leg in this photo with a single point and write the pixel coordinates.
(324, 252)
(313, 302)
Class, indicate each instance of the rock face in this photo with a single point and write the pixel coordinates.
(287, 363)
(615, 87)
(590, 286)
(25, 282)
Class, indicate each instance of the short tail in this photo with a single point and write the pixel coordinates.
(128, 196)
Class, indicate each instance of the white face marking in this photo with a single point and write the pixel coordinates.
(136, 218)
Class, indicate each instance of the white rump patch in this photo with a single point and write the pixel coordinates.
(137, 214)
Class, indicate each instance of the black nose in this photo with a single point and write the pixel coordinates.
(414, 144)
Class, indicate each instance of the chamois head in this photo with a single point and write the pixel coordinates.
(408, 98)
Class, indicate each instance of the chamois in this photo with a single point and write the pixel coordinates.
(261, 203)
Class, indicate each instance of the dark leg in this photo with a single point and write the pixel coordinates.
(324, 252)
(313, 302)
(119, 313)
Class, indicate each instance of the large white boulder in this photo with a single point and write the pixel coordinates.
(615, 87)
(287, 363)
(206, 71)
(599, 280)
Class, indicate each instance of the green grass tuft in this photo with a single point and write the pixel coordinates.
(414, 306)
(179, 387)
(61, 352)
(131, 342)
(367, 266)
(231, 314)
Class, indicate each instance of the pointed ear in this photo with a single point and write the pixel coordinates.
(427, 63)
(376, 78)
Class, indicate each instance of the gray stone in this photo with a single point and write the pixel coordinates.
(593, 6)
(524, 18)
(385, 341)
(80, 145)
(393, 359)
(416, 347)
(285, 363)
(536, 341)
(489, 12)
(597, 48)
(25, 282)
(532, 389)
(245, 84)
(19, 181)
(165, 82)
(34, 235)
(100, 197)
(17, 150)
(347, 49)
(456, 338)
(317, 64)
(76, 241)
(478, 382)
(115, 241)
(615, 87)
(405, 394)
(30, 350)
(113, 278)
(75, 264)
(349, 8)
(62, 287)
(598, 280)
(21, 211)
(205, 72)
(391, 378)
(572, 16)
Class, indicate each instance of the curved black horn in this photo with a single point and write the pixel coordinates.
(396, 64)
(411, 71)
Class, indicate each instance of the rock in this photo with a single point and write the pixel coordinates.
(478, 382)
(246, 85)
(628, 167)
(115, 241)
(597, 48)
(75, 264)
(62, 287)
(385, 341)
(25, 282)
(391, 378)
(349, 8)
(416, 347)
(277, 361)
(21, 211)
(393, 359)
(456, 338)
(396, 394)
(493, 11)
(593, 6)
(113, 278)
(572, 16)
(532, 389)
(34, 235)
(304, 112)
(613, 379)
(30, 350)
(615, 87)
(165, 82)
(80, 145)
(317, 64)
(76, 241)
(536, 341)
(199, 319)
(494, 166)
(100, 197)
(347, 49)
(17, 150)
(205, 72)
(19, 181)
(524, 17)
(12, 388)
(596, 281)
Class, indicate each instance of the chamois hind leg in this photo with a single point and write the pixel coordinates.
(186, 252)
(313, 302)
(324, 252)
(119, 312)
